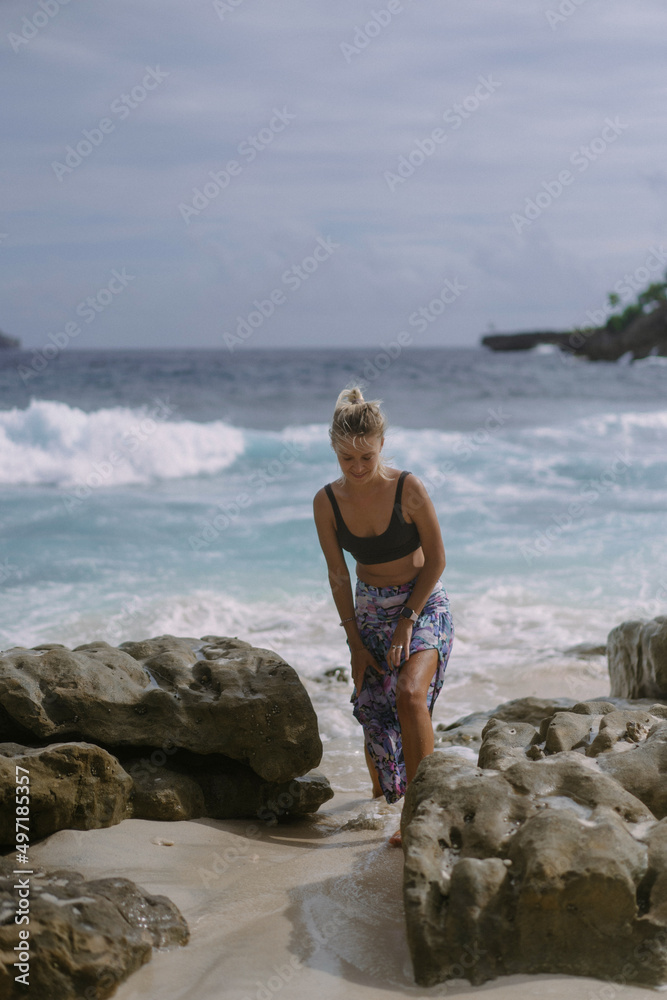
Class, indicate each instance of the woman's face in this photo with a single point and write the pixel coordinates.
(359, 462)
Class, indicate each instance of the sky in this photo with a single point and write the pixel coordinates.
(244, 174)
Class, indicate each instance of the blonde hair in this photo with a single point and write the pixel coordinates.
(357, 419)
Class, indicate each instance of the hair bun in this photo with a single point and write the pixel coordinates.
(354, 417)
(351, 396)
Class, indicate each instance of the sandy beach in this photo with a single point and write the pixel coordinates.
(297, 911)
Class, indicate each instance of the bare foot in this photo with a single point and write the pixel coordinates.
(395, 839)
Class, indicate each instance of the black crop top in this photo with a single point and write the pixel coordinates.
(398, 540)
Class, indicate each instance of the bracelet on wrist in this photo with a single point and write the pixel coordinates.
(352, 619)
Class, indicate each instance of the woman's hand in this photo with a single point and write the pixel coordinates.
(399, 650)
(360, 659)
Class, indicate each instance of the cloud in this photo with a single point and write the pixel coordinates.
(367, 85)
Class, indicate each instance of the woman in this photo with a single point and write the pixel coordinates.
(399, 627)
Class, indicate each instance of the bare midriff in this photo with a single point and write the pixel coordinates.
(394, 573)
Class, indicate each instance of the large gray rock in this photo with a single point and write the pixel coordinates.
(77, 786)
(85, 937)
(454, 815)
(210, 695)
(81, 786)
(165, 794)
(573, 895)
(570, 775)
(643, 769)
(652, 892)
(220, 788)
(637, 659)
(542, 858)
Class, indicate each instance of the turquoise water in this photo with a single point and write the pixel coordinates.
(144, 492)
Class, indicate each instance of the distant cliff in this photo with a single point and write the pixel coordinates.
(6, 341)
(645, 334)
(523, 341)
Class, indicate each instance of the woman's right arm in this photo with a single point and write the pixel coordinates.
(341, 587)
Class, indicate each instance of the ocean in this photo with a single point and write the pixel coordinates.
(145, 492)
(151, 492)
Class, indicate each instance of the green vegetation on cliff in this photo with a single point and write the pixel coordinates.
(648, 300)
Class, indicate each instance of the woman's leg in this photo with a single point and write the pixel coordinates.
(415, 719)
(411, 704)
(377, 791)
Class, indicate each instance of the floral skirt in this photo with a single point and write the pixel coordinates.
(377, 610)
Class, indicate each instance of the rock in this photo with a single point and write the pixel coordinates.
(9, 342)
(505, 742)
(585, 650)
(456, 814)
(527, 711)
(80, 786)
(629, 726)
(164, 794)
(637, 659)
(652, 893)
(220, 788)
(468, 730)
(646, 334)
(237, 794)
(12, 732)
(474, 812)
(473, 923)
(338, 674)
(594, 707)
(523, 341)
(574, 893)
(554, 865)
(86, 937)
(572, 776)
(531, 710)
(75, 786)
(643, 771)
(567, 730)
(581, 724)
(209, 695)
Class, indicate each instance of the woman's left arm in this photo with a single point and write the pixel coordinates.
(418, 505)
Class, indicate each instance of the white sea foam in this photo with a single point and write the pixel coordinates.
(527, 577)
(53, 443)
(508, 643)
(57, 444)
